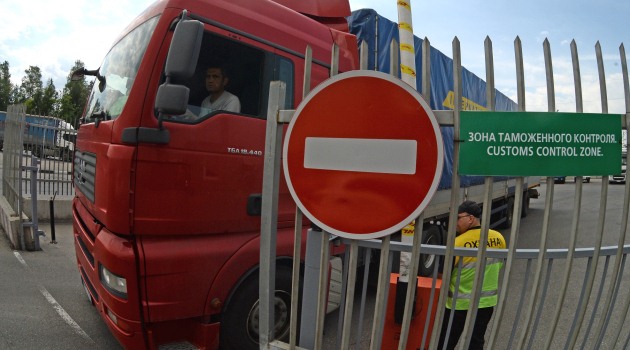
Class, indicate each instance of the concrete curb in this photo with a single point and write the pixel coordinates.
(62, 204)
(11, 225)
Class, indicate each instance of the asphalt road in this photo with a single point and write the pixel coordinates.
(562, 216)
(43, 304)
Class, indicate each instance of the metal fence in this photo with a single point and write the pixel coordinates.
(511, 327)
(12, 160)
(48, 139)
(54, 152)
(37, 155)
(534, 309)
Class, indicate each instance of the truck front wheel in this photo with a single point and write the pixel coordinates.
(240, 321)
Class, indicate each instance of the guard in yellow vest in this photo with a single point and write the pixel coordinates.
(459, 294)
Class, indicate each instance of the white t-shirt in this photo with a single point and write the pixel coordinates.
(226, 102)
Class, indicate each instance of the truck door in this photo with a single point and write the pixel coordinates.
(208, 178)
(197, 197)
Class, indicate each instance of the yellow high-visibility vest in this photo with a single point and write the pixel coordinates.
(466, 272)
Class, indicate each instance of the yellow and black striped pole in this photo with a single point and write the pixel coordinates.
(408, 75)
(407, 49)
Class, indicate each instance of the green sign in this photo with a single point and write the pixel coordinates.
(539, 144)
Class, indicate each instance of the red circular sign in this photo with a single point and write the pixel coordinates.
(363, 155)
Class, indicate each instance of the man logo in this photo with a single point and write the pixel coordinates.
(81, 171)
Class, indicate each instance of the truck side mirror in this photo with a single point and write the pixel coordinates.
(172, 99)
(184, 51)
(180, 65)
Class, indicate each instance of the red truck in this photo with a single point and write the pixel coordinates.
(167, 209)
(167, 213)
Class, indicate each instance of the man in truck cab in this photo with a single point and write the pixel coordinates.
(468, 235)
(218, 98)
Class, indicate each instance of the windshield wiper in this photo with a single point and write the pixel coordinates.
(98, 117)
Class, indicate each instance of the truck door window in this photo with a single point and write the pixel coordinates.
(285, 74)
(247, 71)
(278, 68)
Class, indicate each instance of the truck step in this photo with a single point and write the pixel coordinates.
(334, 292)
(178, 346)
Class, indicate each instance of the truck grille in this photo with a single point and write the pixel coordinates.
(89, 285)
(86, 251)
(85, 173)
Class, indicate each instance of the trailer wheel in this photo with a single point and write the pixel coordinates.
(432, 236)
(240, 321)
(35, 151)
(525, 206)
(509, 214)
(67, 155)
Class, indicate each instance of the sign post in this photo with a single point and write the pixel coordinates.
(363, 155)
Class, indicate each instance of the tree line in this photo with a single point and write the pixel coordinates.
(45, 99)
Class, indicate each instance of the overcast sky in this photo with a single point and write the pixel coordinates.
(52, 35)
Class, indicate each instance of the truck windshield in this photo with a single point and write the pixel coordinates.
(119, 69)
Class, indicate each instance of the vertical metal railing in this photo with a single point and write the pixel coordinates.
(626, 199)
(516, 214)
(12, 157)
(386, 259)
(535, 296)
(49, 139)
(576, 207)
(608, 301)
(617, 271)
(586, 293)
(413, 275)
(269, 214)
(455, 189)
(297, 233)
(485, 221)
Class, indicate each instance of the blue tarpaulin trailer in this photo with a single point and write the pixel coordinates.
(43, 136)
(378, 32)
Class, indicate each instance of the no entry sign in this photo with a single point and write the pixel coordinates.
(363, 155)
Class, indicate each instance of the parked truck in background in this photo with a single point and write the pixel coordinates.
(44, 136)
(166, 216)
(621, 177)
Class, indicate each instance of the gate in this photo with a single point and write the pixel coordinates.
(535, 309)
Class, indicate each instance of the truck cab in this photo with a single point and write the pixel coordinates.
(167, 207)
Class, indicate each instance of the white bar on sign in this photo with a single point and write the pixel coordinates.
(361, 155)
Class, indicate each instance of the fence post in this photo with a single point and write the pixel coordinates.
(269, 215)
(34, 223)
(51, 203)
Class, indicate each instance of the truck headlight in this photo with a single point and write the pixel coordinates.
(117, 285)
